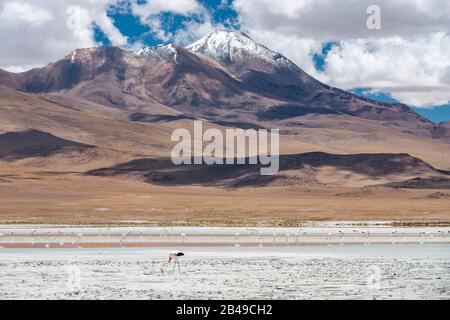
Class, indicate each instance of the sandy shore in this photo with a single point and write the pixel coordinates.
(29, 236)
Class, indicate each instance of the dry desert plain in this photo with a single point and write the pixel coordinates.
(45, 197)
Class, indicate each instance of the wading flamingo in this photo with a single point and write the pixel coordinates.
(173, 257)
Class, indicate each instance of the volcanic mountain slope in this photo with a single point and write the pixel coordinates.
(149, 135)
(270, 73)
(226, 76)
(114, 137)
(131, 82)
(443, 130)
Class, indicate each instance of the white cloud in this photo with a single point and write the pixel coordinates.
(411, 68)
(194, 31)
(25, 13)
(445, 76)
(149, 14)
(153, 7)
(107, 26)
(425, 97)
(408, 56)
(18, 69)
(36, 32)
(337, 19)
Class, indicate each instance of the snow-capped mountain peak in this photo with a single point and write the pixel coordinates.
(228, 47)
(223, 46)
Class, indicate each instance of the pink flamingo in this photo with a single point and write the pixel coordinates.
(173, 257)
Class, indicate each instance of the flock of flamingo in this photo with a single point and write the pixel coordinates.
(76, 239)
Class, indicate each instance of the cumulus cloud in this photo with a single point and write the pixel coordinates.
(24, 12)
(36, 32)
(154, 7)
(406, 56)
(412, 69)
(335, 19)
(194, 31)
(445, 76)
(197, 25)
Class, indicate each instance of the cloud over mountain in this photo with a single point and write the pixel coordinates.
(34, 33)
(406, 56)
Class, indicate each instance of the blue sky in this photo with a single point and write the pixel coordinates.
(436, 114)
(218, 12)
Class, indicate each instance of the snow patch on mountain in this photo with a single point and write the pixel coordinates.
(162, 52)
(227, 47)
(72, 59)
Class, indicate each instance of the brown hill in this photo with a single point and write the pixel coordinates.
(20, 111)
(34, 143)
(422, 183)
(300, 169)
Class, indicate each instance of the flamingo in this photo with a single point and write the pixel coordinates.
(173, 257)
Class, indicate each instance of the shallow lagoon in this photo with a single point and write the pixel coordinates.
(354, 271)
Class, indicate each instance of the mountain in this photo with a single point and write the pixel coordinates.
(226, 76)
(241, 53)
(445, 124)
(271, 74)
(229, 80)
